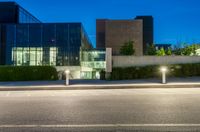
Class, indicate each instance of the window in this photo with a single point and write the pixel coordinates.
(34, 56)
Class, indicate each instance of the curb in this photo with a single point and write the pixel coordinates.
(96, 87)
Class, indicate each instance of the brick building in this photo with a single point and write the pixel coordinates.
(114, 33)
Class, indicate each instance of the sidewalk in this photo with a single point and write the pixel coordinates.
(191, 82)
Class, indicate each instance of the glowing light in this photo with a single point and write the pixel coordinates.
(163, 69)
(67, 71)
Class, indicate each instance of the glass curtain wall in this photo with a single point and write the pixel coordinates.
(44, 44)
(26, 17)
(33, 56)
(92, 62)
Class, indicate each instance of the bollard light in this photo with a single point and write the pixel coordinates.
(67, 72)
(163, 71)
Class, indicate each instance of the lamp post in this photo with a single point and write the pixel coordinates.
(163, 70)
(67, 77)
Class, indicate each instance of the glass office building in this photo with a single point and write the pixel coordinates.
(11, 12)
(26, 41)
(56, 44)
(92, 63)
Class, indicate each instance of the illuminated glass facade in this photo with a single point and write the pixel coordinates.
(25, 41)
(56, 44)
(34, 56)
(92, 63)
(93, 58)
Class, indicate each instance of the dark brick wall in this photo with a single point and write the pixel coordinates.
(100, 33)
(120, 31)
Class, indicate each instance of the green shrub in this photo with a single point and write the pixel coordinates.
(142, 72)
(127, 48)
(102, 75)
(27, 73)
(185, 70)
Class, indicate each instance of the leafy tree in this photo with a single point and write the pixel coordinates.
(169, 51)
(176, 51)
(127, 48)
(187, 50)
(161, 52)
(151, 49)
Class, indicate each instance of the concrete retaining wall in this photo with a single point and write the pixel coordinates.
(128, 61)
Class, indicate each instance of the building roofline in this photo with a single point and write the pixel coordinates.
(16, 4)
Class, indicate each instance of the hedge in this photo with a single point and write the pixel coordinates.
(178, 70)
(27, 73)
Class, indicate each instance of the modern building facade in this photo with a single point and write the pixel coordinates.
(26, 41)
(11, 12)
(148, 31)
(114, 33)
(93, 61)
(56, 44)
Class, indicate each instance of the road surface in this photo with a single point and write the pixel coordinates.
(101, 110)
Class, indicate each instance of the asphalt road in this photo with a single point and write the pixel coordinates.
(101, 110)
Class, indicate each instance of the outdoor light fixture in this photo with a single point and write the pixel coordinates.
(163, 71)
(67, 72)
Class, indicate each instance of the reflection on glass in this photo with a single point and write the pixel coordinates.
(92, 62)
(26, 56)
(53, 52)
(34, 56)
(38, 42)
(93, 59)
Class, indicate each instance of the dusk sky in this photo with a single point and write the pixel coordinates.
(175, 21)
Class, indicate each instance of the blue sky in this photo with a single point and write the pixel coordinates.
(175, 21)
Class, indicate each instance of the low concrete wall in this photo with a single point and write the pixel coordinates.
(128, 61)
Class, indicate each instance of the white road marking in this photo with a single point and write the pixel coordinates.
(100, 125)
(107, 92)
(53, 94)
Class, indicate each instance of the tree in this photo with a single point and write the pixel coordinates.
(169, 51)
(177, 50)
(151, 49)
(187, 50)
(161, 52)
(127, 48)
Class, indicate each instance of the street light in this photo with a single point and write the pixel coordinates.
(163, 70)
(67, 77)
